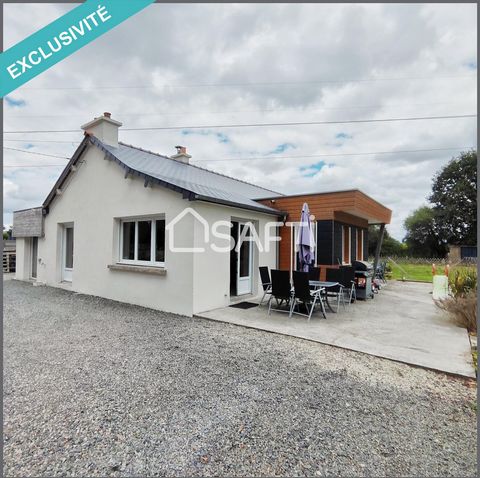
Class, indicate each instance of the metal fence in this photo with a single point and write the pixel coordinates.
(439, 261)
(9, 261)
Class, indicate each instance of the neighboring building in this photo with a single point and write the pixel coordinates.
(457, 254)
(9, 254)
(127, 224)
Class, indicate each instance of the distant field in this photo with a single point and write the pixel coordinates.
(420, 272)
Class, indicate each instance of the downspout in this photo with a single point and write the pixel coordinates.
(379, 246)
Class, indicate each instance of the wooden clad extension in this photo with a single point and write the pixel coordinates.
(332, 210)
(352, 205)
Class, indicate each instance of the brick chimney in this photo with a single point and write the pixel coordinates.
(181, 155)
(104, 128)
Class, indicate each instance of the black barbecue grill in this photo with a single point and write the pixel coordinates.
(363, 279)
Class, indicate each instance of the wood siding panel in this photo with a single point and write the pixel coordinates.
(368, 206)
(365, 245)
(347, 218)
(352, 208)
(324, 206)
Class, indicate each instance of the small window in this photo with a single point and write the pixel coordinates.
(346, 244)
(359, 244)
(143, 241)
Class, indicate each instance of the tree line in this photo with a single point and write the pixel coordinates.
(450, 217)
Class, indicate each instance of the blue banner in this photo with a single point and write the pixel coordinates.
(61, 38)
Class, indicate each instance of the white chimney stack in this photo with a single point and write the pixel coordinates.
(104, 128)
(181, 155)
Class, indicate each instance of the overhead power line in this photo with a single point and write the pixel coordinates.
(257, 158)
(260, 125)
(458, 148)
(19, 166)
(252, 83)
(35, 152)
(73, 141)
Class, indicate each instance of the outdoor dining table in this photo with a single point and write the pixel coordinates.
(318, 284)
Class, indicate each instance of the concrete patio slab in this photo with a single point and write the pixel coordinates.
(402, 323)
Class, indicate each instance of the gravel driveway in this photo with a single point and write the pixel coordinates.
(94, 388)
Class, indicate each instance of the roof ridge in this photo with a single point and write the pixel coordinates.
(199, 167)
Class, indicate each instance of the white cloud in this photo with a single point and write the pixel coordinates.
(242, 44)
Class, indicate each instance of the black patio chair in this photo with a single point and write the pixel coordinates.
(348, 282)
(381, 271)
(336, 275)
(281, 290)
(304, 295)
(266, 282)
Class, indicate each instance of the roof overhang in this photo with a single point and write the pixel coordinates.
(148, 180)
(328, 205)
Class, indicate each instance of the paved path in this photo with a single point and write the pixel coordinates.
(402, 323)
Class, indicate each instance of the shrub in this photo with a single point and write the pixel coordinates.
(462, 310)
(462, 306)
(463, 281)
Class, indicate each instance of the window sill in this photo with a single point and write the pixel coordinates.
(159, 271)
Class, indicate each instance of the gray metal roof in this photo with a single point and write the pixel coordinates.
(194, 182)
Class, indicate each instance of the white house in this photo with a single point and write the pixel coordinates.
(138, 227)
(107, 228)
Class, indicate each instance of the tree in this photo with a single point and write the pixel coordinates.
(454, 199)
(7, 233)
(390, 246)
(422, 236)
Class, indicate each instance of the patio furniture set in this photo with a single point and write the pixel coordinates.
(301, 292)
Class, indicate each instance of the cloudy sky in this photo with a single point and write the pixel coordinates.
(186, 65)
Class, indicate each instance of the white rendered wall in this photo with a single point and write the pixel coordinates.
(211, 269)
(96, 194)
(22, 261)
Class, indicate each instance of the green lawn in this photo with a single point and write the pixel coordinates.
(420, 272)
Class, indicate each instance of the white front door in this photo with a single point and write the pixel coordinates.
(67, 266)
(34, 256)
(244, 260)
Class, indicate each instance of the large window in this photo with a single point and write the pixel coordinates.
(142, 241)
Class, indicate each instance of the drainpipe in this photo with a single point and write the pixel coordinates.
(379, 247)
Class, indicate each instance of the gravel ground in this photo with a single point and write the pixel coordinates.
(98, 388)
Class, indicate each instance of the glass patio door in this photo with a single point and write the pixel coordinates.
(244, 260)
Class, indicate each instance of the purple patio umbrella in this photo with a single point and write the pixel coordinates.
(305, 243)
